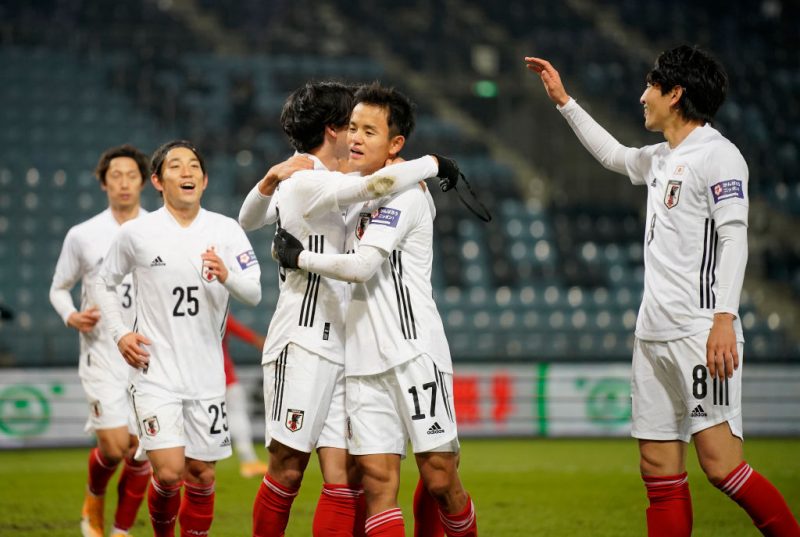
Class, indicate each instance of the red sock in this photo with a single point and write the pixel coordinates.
(670, 511)
(271, 509)
(100, 472)
(426, 514)
(197, 509)
(337, 513)
(762, 501)
(386, 524)
(164, 502)
(463, 524)
(130, 491)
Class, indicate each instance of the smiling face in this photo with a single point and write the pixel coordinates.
(182, 180)
(658, 107)
(370, 139)
(123, 184)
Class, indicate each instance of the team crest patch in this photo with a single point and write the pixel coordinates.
(672, 194)
(361, 227)
(247, 259)
(294, 419)
(724, 190)
(679, 170)
(151, 426)
(207, 276)
(96, 409)
(385, 216)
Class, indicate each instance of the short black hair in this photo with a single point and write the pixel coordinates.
(400, 108)
(312, 107)
(124, 150)
(157, 162)
(702, 77)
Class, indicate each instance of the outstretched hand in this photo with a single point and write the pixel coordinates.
(550, 78)
(286, 249)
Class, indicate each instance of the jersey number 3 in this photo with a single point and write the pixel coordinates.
(192, 306)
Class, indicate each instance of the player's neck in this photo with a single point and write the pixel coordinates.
(123, 214)
(184, 216)
(326, 154)
(678, 129)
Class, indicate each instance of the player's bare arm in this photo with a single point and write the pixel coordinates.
(550, 78)
(283, 170)
(84, 321)
(130, 346)
(722, 356)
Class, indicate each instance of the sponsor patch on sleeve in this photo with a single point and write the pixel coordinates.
(724, 190)
(247, 259)
(385, 216)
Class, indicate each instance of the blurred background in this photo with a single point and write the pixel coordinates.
(554, 281)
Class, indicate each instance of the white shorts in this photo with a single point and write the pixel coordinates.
(674, 396)
(109, 406)
(200, 426)
(304, 400)
(412, 400)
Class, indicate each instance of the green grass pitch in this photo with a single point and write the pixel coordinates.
(520, 487)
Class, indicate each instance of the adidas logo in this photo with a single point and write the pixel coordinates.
(698, 412)
(158, 262)
(435, 428)
(226, 442)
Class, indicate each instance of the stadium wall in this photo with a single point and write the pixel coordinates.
(47, 408)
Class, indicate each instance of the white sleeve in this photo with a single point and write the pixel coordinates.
(340, 191)
(243, 288)
(68, 272)
(598, 141)
(118, 262)
(253, 214)
(393, 221)
(244, 273)
(732, 263)
(356, 268)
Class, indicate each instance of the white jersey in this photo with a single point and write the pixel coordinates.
(392, 317)
(692, 190)
(177, 307)
(80, 259)
(311, 308)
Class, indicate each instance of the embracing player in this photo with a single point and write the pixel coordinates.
(304, 355)
(399, 375)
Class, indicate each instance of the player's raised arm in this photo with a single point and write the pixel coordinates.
(598, 141)
(254, 213)
(550, 78)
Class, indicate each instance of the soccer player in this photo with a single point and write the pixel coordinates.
(241, 431)
(122, 172)
(398, 370)
(304, 354)
(186, 264)
(688, 349)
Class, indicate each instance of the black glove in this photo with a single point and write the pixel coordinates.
(448, 172)
(286, 248)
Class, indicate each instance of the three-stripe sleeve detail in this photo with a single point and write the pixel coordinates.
(308, 309)
(403, 294)
(708, 264)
